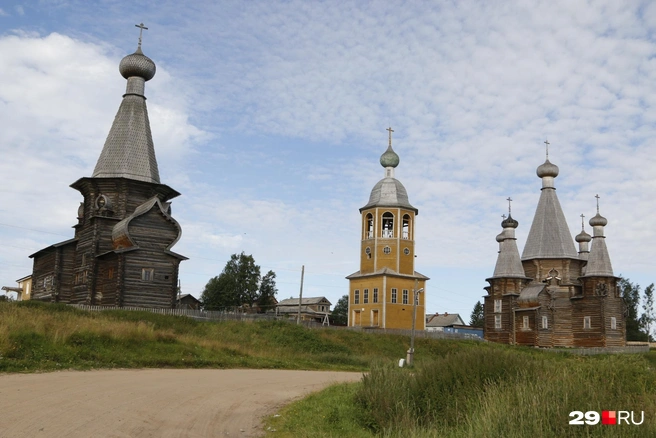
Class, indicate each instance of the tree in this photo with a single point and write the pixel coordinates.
(340, 311)
(477, 316)
(631, 295)
(268, 291)
(239, 284)
(648, 317)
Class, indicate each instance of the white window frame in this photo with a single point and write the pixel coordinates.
(356, 296)
(587, 323)
(545, 322)
(147, 274)
(497, 321)
(394, 295)
(613, 323)
(405, 296)
(526, 324)
(375, 297)
(497, 306)
(365, 296)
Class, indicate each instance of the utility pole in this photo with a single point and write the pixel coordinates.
(300, 296)
(411, 352)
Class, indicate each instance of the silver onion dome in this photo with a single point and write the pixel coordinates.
(547, 169)
(137, 64)
(389, 158)
(598, 220)
(583, 237)
(509, 222)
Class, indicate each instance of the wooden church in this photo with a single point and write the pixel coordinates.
(121, 252)
(381, 292)
(554, 295)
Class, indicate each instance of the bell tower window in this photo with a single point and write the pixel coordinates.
(405, 232)
(388, 225)
(369, 223)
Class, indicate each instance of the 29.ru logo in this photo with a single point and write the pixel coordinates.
(607, 417)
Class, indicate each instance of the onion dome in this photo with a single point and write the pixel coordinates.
(598, 220)
(389, 158)
(509, 222)
(583, 237)
(137, 64)
(547, 169)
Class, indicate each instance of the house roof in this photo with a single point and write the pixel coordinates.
(304, 302)
(183, 296)
(55, 245)
(529, 295)
(445, 320)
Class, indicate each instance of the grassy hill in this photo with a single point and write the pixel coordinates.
(42, 337)
(456, 389)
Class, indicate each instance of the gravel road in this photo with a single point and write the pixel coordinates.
(151, 402)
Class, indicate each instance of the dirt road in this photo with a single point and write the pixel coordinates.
(151, 403)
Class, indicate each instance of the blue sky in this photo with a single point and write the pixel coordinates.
(269, 117)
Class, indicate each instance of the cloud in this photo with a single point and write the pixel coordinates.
(269, 117)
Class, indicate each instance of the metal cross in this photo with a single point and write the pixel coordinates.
(547, 143)
(597, 196)
(390, 135)
(582, 222)
(504, 216)
(141, 29)
(509, 199)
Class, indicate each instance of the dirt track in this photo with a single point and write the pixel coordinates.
(151, 403)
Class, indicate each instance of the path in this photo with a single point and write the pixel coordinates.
(151, 402)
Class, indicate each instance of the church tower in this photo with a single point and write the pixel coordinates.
(121, 253)
(381, 292)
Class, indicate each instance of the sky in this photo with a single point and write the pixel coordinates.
(269, 117)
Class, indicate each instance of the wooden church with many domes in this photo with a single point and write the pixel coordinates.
(554, 295)
(121, 252)
(381, 292)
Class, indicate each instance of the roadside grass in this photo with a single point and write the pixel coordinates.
(38, 336)
(482, 392)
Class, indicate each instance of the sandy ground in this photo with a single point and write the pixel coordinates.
(151, 403)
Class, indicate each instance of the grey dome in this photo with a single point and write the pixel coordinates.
(598, 220)
(547, 169)
(501, 237)
(137, 64)
(583, 237)
(389, 192)
(389, 158)
(509, 222)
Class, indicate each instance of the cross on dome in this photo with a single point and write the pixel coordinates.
(141, 29)
(390, 135)
(547, 143)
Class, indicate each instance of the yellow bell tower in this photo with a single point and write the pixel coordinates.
(381, 292)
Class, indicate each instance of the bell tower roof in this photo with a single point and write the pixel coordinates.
(129, 151)
(389, 192)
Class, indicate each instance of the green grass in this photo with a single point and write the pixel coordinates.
(483, 392)
(42, 337)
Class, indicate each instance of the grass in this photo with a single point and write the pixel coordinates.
(482, 392)
(44, 337)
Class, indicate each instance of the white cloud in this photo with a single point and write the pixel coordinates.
(269, 117)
